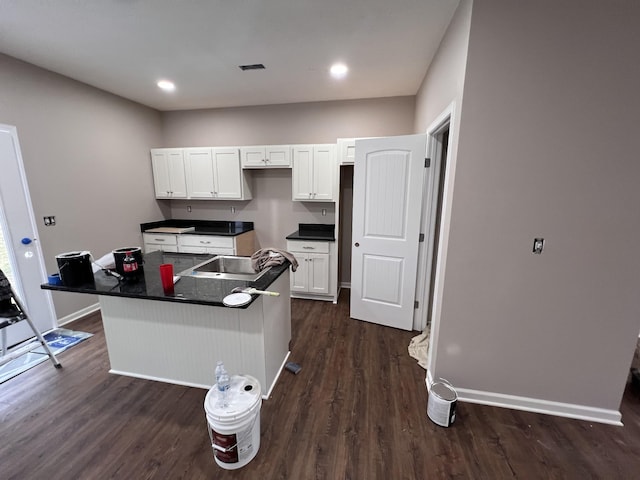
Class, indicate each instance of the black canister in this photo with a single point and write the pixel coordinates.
(75, 268)
(132, 268)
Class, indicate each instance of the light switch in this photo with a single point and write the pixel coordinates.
(538, 245)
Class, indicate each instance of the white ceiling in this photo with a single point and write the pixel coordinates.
(126, 46)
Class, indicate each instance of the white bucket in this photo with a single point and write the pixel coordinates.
(441, 406)
(234, 430)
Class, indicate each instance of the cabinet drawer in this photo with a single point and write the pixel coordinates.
(209, 250)
(307, 246)
(159, 238)
(208, 241)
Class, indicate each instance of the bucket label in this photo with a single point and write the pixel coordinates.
(441, 412)
(229, 444)
(229, 449)
(130, 266)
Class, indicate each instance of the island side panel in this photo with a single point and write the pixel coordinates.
(277, 329)
(181, 343)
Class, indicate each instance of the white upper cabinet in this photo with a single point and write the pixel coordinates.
(199, 165)
(346, 151)
(314, 173)
(268, 156)
(169, 173)
(215, 174)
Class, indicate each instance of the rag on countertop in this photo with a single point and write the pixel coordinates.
(268, 257)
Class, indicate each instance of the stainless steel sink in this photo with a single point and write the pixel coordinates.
(225, 267)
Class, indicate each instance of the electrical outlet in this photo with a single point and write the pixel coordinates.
(50, 221)
(538, 245)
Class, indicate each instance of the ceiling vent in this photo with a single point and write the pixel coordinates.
(255, 66)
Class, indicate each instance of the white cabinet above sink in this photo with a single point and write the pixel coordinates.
(266, 156)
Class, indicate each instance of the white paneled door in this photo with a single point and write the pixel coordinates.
(18, 223)
(387, 203)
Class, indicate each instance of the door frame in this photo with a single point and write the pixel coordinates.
(447, 118)
(20, 329)
(426, 260)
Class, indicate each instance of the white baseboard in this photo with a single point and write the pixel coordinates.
(275, 380)
(79, 314)
(159, 379)
(311, 296)
(195, 385)
(527, 404)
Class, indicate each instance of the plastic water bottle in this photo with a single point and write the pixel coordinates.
(223, 381)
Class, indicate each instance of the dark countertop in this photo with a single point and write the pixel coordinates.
(201, 291)
(203, 227)
(314, 232)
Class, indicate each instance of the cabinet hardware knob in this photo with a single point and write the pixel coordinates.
(357, 244)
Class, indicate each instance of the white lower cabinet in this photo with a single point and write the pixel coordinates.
(242, 245)
(312, 275)
(163, 242)
(314, 266)
(206, 244)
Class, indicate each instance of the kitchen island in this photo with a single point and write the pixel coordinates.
(179, 338)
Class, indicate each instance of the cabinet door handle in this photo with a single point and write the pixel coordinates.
(309, 248)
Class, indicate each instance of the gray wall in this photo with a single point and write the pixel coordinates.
(548, 147)
(274, 213)
(444, 81)
(86, 156)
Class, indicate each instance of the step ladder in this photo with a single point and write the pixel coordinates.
(18, 314)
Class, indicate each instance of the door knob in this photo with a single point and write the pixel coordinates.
(357, 244)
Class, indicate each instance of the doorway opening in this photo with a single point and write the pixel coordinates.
(441, 140)
(438, 137)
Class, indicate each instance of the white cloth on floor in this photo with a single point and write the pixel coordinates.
(419, 348)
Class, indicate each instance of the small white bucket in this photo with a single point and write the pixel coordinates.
(441, 406)
(234, 430)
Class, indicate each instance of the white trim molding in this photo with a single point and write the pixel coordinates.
(535, 405)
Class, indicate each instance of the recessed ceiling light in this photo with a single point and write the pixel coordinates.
(166, 85)
(339, 70)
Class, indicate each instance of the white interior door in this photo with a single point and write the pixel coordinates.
(17, 222)
(387, 203)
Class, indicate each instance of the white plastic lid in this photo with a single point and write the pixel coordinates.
(243, 395)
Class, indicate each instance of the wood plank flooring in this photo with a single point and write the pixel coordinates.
(357, 410)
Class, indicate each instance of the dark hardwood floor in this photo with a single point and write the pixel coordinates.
(357, 410)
